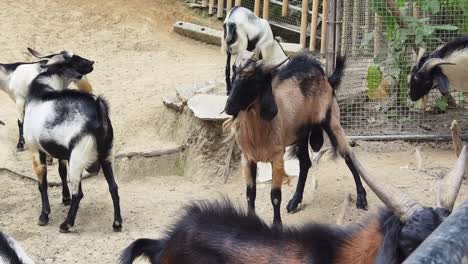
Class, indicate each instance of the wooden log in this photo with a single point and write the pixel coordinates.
(456, 138)
(344, 28)
(304, 15)
(284, 11)
(220, 10)
(313, 26)
(257, 8)
(238, 3)
(266, 9)
(377, 34)
(204, 3)
(211, 7)
(355, 27)
(323, 46)
(228, 6)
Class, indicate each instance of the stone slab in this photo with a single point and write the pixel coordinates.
(208, 106)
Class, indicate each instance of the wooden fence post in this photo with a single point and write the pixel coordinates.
(330, 60)
(377, 32)
(338, 28)
(344, 28)
(355, 27)
(313, 26)
(323, 46)
(204, 3)
(304, 15)
(238, 3)
(220, 8)
(266, 9)
(284, 11)
(211, 7)
(257, 8)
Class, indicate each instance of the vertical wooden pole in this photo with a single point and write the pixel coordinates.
(204, 3)
(211, 7)
(238, 3)
(313, 25)
(220, 9)
(228, 6)
(367, 17)
(266, 9)
(377, 32)
(344, 28)
(330, 60)
(257, 8)
(355, 27)
(323, 46)
(284, 11)
(338, 19)
(304, 15)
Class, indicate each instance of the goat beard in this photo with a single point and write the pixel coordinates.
(230, 128)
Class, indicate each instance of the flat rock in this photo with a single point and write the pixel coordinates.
(264, 172)
(208, 106)
(173, 102)
(186, 92)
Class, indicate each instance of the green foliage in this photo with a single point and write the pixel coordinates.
(442, 103)
(374, 77)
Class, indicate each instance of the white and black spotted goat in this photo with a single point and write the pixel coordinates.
(444, 68)
(69, 125)
(15, 79)
(11, 252)
(243, 30)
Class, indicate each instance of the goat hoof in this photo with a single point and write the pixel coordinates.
(117, 226)
(361, 202)
(293, 204)
(65, 227)
(66, 201)
(43, 220)
(19, 147)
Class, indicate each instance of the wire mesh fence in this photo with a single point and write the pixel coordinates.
(381, 40)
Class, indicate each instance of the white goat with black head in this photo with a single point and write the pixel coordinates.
(71, 126)
(243, 30)
(444, 68)
(15, 79)
(11, 252)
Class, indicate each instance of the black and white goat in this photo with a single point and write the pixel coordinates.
(243, 30)
(11, 252)
(210, 233)
(15, 79)
(292, 106)
(446, 67)
(71, 126)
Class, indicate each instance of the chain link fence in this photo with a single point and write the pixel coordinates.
(381, 40)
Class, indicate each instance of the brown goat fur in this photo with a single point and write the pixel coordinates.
(287, 106)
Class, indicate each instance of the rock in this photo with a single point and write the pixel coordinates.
(208, 106)
(173, 102)
(188, 91)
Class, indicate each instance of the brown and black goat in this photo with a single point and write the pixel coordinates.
(291, 105)
(217, 232)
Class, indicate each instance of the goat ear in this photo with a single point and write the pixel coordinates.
(268, 106)
(442, 83)
(71, 73)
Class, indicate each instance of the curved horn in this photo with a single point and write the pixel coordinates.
(39, 55)
(59, 58)
(450, 185)
(431, 63)
(401, 204)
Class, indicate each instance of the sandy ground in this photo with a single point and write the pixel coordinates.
(139, 60)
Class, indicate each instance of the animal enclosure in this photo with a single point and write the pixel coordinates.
(382, 40)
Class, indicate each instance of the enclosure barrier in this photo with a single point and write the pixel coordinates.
(448, 243)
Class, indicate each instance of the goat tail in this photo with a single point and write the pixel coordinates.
(337, 76)
(103, 114)
(149, 248)
(230, 128)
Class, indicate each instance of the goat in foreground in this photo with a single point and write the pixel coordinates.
(244, 31)
(292, 106)
(444, 68)
(71, 126)
(15, 79)
(217, 232)
(11, 252)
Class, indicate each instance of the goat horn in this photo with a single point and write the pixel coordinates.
(448, 188)
(39, 55)
(400, 203)
(59, 58)
(421, 54)
(431, 63)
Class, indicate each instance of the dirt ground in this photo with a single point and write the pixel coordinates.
(138, 61)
